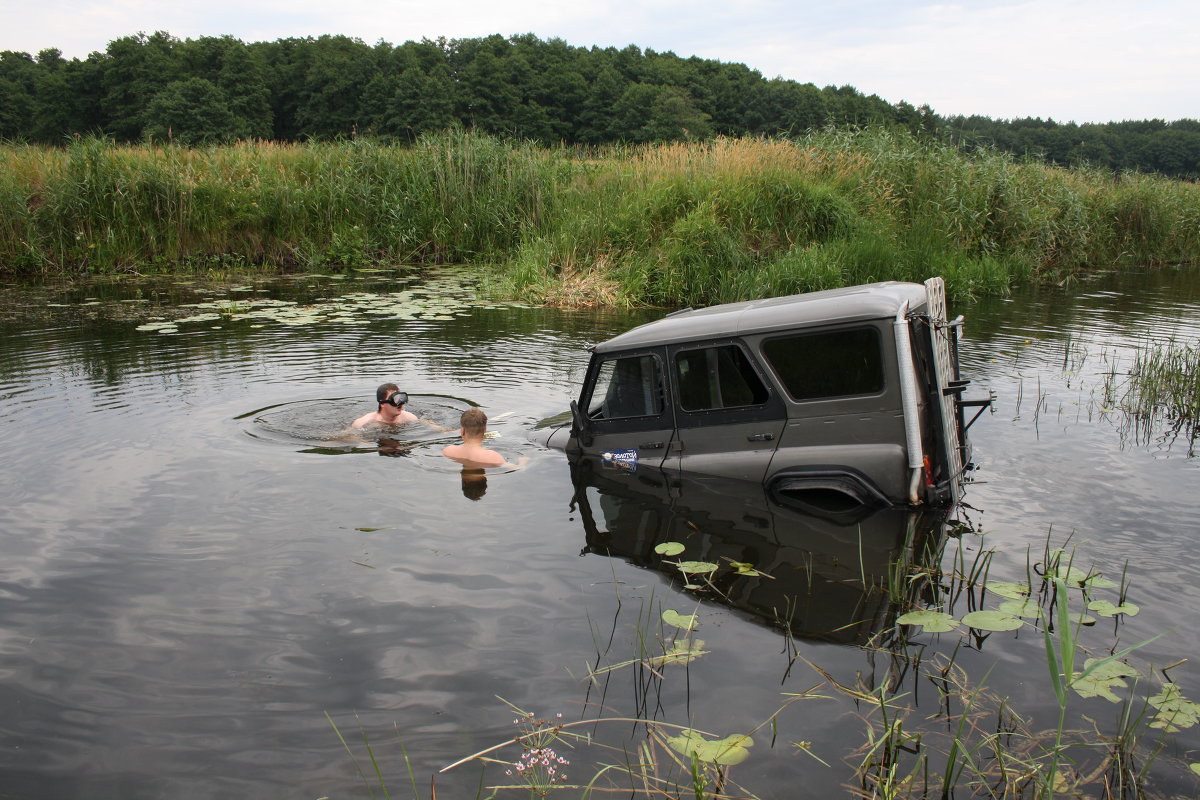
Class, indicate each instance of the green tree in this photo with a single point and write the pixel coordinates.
(54, 114)
(136, 69)
(191, 112)
(598, 115)
(242, 76)
(18, 78)
(422, 103)
(335, 71)
(647, 113)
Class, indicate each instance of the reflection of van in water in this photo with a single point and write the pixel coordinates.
(844, 397)
(816, 577)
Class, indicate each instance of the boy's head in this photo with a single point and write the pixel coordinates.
(474, 423)
(384, 392)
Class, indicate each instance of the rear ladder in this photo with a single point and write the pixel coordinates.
(945, 367)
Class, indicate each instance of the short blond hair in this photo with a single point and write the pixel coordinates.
(474, 422)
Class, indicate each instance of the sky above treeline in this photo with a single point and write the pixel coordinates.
(1069, 60)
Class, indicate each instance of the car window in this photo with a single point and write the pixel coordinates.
(627, 387)
(828, 364)
(717, 377)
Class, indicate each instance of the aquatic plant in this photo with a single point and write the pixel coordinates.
(682, 223)
(1159, 395)
(1023, 762)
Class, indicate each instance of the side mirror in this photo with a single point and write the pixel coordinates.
(581, 428)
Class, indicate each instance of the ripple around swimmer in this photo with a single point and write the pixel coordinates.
(323, 426)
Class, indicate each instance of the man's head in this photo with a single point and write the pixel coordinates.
(474, 423)
(390, 394)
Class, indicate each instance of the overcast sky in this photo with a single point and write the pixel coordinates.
(1071, 60)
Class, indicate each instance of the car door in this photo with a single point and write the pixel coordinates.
(626, 418)
(728, 415)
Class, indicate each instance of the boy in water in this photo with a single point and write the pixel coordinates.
(390, 409)
(471, 452)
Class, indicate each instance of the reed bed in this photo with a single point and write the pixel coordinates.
(1166, 377)
(680, 223)
(98, 207)
(1160, 395)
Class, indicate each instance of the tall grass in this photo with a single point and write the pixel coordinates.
(1166, 377)
(671, 224)
(1160, 396)
(96, 206)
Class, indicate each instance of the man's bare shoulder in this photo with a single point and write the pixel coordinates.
(474, 456)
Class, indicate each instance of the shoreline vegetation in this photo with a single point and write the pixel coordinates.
(670, 224)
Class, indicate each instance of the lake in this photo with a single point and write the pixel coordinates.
(201, 561)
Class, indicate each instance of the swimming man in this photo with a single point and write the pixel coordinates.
(472, 453)
(390, 409)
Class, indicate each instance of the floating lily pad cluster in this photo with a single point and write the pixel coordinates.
(1100, 677)
(703, 569)
(1019, 605)
(440, 296)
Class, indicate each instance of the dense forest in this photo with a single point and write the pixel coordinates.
(220, 89)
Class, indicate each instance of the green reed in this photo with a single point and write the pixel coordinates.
(1166, 377)
(96, 206)
(680, 223)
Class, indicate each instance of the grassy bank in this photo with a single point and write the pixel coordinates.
(682, 223)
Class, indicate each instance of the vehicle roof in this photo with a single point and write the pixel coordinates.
(853, 303)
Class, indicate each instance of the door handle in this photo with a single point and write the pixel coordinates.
(760, 437)
(650, 446)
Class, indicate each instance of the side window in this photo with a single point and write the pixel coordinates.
(717, 377)
(828, 364)
(627, 387)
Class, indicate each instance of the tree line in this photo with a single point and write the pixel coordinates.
(220, 89)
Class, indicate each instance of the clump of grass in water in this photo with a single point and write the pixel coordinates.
(1010, 759)
(1162, 386)
(1167, 377)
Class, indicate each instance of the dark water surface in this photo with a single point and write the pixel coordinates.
(199, 560)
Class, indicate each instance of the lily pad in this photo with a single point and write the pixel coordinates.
(733, 749)
(1070, 575)
(1025, 607)
(683, 651)
(1194, 768)
(1175, 712)
(1014, 591)
(1101, 681)
(208, 317)
(1106, 609)
(932, 621)
(992, 621)
(743, 568)
(696, 567)
(685, 622)
(1098, 581)
(669, 548)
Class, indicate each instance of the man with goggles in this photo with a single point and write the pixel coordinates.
(390, 409)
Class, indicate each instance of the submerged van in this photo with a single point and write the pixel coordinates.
(841, 398)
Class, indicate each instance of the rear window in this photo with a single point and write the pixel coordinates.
(717, 377)
(813, 366)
